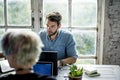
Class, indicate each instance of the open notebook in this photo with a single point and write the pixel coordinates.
(5, 67)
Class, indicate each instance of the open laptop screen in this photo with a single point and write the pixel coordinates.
(43, 68)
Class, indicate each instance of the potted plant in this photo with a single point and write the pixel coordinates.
(75, 73)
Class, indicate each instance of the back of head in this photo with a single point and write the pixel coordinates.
(25, 45)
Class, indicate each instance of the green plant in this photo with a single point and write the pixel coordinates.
(75, 71)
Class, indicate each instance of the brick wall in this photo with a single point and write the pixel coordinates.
(111, 47)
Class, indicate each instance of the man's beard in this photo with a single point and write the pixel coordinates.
(53, 34)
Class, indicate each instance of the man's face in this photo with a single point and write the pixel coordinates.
(52, 27)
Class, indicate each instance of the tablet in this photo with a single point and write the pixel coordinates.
(43, 68)
(50, 56)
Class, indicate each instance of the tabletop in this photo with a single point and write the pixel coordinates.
(107, 72)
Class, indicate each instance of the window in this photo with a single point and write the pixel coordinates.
(1, 12)
(19, 12)
(84, 13)
(80, 17)
(56, 5)
(15, 14)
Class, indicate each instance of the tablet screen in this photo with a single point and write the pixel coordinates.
(43, 68)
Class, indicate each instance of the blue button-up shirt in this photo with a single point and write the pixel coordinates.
(64, 44)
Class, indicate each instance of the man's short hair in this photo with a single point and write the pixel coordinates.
(55, 17)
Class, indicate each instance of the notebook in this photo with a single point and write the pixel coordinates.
(5, 67)
(50, 56)
(43, 68)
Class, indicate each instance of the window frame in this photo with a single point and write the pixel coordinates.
(5, 25)
(70, 28)
(37, 24)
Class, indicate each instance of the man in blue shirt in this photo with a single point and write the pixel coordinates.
(58, 40)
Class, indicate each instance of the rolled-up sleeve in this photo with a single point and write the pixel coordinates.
(70, 47)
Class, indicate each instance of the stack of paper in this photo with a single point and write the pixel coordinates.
(91, 72)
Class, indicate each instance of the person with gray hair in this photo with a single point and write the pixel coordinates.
(22, 50)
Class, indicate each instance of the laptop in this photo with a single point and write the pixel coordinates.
(43, 68)
(50, 56)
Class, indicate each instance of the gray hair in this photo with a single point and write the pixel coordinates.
(26, 45)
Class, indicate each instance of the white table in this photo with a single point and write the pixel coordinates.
(107, 72)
